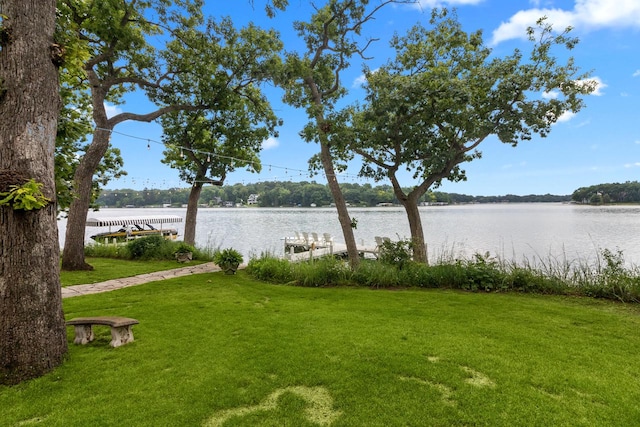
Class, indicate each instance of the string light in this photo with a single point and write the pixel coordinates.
(210, 155)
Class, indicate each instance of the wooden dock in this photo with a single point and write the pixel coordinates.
(297, 253)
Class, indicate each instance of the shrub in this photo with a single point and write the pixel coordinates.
(182, 247)
(483, 273)
(226, 257)
(397, 253)
(151, 247)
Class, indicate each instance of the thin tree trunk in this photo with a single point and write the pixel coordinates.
(332, 179)
(192, 213)
(341, 205)
(73, 252)
(32, 330)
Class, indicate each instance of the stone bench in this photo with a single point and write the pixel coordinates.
(120, 329)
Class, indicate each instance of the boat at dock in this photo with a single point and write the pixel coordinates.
(130, 228)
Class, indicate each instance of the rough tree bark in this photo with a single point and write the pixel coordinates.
(32, 331)
(341, 204)
(417, 233)
(410, 204)
(73, 253)
(334, 186)
(192, 214)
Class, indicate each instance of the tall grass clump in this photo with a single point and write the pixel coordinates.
(375, 275)
(327, 271)
(99, 250)
(609, 278)
(612, 279)
(271, 269)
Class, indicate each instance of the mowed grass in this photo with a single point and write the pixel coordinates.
(226, 350)
(107, 269)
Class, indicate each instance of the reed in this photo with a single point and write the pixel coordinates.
(608, 276)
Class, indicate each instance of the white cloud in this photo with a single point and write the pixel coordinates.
(112, 110)
(598, 83)
(632, 165)
(566, 116)
(359, 81)
(362, 79)
(637, 73)
(270, 143)
(585, 15)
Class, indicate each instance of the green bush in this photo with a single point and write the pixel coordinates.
(397, 253)
(151, 247)
(182, 247)
(146, 248)
(483, 273)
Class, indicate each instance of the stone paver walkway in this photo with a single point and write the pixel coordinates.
(110, 285)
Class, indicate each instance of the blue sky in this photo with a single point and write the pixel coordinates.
(599, 144)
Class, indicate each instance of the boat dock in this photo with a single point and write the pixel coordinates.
(299, 248)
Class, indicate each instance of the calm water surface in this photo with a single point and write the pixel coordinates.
(512, 231)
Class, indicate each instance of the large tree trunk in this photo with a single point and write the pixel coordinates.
(192, 213)
(410, 204)
(417, 234)
(33, 337)
(73, 253)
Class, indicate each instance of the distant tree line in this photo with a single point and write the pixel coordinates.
(628, 192)
(285, 193)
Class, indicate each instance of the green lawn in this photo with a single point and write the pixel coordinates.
(227, 350)
(107, 269)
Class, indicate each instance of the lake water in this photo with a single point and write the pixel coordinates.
(511, 231)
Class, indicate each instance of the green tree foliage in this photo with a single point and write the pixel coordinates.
(288, 193)
(428, 110)
(312, 81)
(75, 123)
(627, 192)
(206, 145)
(115, 37)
